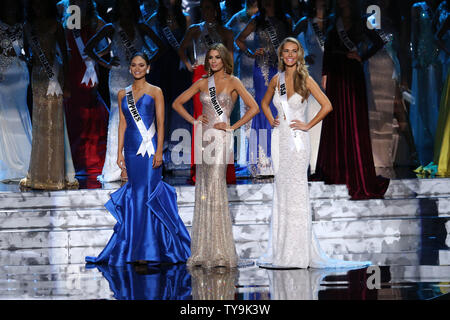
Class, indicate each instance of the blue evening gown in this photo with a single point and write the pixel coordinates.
(148, 225)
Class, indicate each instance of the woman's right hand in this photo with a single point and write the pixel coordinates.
(259, 52)
(275, 122)
(121, 161)
(202, 119)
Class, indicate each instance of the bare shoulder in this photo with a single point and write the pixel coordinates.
(274, 81)
(201, 84)
(235, 81)
(153, 91)
(121, 94)
(311, 83)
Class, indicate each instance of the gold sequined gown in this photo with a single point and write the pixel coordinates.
(47, 170)
(212, 242)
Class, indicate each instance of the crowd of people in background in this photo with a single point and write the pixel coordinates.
(384, 69)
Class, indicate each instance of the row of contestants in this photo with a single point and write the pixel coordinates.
(149, 229)
(261, 73)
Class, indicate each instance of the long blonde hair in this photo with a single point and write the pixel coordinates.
(302, 73)
(225, 55)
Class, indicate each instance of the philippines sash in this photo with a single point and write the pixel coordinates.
(52, 72)
(147, 135)
(213, 95)
(90, 74)
(298, 143)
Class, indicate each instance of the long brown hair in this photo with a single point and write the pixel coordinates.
(301, 74)
(225, 55)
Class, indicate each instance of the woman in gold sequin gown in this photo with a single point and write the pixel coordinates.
(212, 243)
(48, 161)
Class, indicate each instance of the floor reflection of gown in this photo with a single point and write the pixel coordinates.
(292, 242)
(213, 284)
(426, 83)
(86, 114)
(119, 78)
(306, 284)
(15, 122)
(148, 226)
(149, 283)
(212, 236)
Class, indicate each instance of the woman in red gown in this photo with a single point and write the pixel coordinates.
(345, 152)
(86, 112)
(200, 36)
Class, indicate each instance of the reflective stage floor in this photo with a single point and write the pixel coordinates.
(44, 237)
(78, 282)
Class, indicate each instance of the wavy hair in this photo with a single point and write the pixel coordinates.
(301, 74)
(225, 55)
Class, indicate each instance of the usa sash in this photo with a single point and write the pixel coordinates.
(298, 143)
(147, 135)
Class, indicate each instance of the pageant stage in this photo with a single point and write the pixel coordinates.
(45, 236)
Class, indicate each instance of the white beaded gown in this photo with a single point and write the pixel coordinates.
(119, 78)
(292, 242)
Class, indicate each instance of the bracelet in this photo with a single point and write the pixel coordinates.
(248, 53)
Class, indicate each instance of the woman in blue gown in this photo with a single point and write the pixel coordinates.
(148, 227)
(270, 25)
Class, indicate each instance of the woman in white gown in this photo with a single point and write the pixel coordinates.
(126, 33)
(15, 122)
(292, 243)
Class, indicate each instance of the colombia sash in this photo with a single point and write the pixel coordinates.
(147, 135)
(213, 95)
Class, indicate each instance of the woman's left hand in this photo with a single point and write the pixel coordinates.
(298, 125)
(354, 55)
(222, 126)
(157, 160)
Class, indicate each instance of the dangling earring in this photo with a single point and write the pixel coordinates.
(130, 72)
(148, 71)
